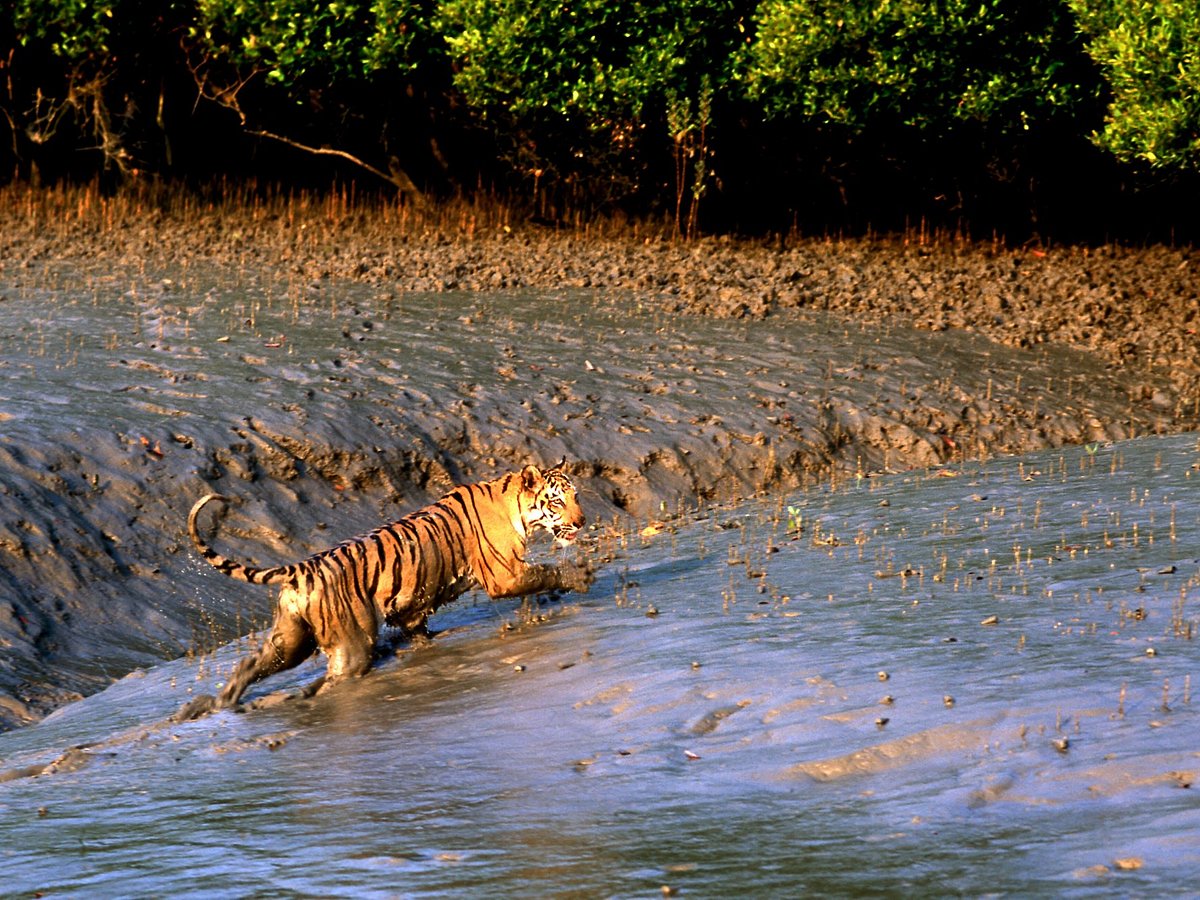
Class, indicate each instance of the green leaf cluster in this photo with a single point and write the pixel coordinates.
(1149, 56)
(304, 41)
(73, 30)
(1005, 63)
(597, 60)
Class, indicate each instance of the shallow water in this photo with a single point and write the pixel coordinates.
(976, 680)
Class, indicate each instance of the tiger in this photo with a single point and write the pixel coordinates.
(336, 601)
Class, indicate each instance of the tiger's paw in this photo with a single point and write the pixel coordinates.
(195, 708)
(578, 577)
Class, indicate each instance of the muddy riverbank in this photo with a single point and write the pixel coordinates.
(1132, 306)
(335, 367)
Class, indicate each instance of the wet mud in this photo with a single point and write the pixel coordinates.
(333, 369)
(974, 679)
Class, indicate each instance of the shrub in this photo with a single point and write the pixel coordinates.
(1005, 63)
(1149, 54)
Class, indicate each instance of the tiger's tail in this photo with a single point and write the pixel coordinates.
(230, 567)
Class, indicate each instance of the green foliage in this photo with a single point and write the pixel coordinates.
(1149, 54)
(74, 30)
(104, 33)
(630, 72)
(303, 41)
(598, 60)
(611, 99)
(1005, 63)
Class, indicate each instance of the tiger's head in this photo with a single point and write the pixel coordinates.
(551, 503)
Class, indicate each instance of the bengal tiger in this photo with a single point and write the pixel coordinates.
(336, 601)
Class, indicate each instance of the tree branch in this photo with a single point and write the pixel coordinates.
(396, 176)
(227, 95)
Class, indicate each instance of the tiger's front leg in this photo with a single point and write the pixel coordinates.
(537, 579)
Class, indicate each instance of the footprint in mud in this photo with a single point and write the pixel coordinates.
(75, 758)
(263, 741)
(70, 761)
(709, 722)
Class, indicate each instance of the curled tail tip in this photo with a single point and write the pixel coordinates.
(206, 499)
(200, 504)
(191, 521)
(227, 566)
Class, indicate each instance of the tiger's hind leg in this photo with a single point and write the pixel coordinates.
(352, 656)
(342, 664)
(349, 647)
(289, 643)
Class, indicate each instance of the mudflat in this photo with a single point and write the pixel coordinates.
(334, 365)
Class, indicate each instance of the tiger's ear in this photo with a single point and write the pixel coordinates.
(531, 478)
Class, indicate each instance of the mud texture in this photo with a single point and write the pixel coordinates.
(1135, 307)
(852, 358)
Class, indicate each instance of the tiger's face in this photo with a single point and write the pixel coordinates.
(554, 507)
